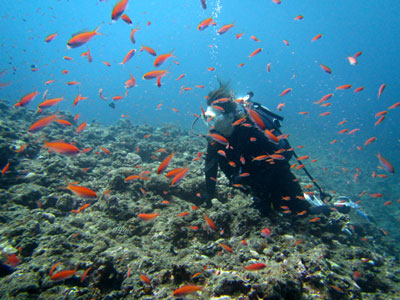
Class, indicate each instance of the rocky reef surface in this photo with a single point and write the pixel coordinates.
(126, 257)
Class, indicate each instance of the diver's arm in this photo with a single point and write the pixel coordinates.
(211, 170)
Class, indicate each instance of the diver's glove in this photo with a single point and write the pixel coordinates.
(321, 209)
(317, 205)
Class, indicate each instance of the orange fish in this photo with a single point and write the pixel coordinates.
(131, 82)
(179, 176)
(82, 191)
(126, 19)
(183, 214)
(255, 267)
(165, 163)
(133, 35)
(50, 102)
(225, 28)
(226, 247)
(186, 289)
(85, 274)
(381, 113)
(25, 100)
(204, 24)
(276, 156)
(317, 37)
(255, 52)
(81, 127)
(148, 217)
(148, 50)
(83, 207)
(255, 117)
(271, 137)
(128, 56)
(154, 74)
(145, 279)
(116, 98)
(61, 148)
(239, 121)
(344, 87)
(316, 219)
(53, 268)
(162, 58)
(369, 141)
(210, 223)
(118, 9)
(174, 172)
(50, 37)
(379, 120)
(385, 163)
(132, 177)
(303, 157)
(63, 275)
(394, 105)
(302, 213)
(381, 88)
(180, 77)
(12, 259)
(81, 38)
(326, 69)
(359, 89)
(352, 60)
(288, 90)
(73, 82)
(325, 98)
(5, 169)
(280, 106)
(77, 99)
(106, 151)
(43, 122)
(219, 138)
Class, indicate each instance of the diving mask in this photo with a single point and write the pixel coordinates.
(211, 116)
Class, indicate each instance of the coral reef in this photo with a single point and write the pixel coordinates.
(41, 223)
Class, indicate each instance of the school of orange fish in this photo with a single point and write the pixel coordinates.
(178, 174)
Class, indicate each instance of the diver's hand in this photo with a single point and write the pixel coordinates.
(320, 209)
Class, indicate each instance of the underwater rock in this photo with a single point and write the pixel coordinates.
(27, 194)
(65, 203)
(23, 285)
(228, 283)
(303, 260)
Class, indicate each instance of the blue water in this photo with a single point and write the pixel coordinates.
(372, 27)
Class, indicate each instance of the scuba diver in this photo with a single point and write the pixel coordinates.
(245, 142)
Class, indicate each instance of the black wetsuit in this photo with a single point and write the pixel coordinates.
(268, 183)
